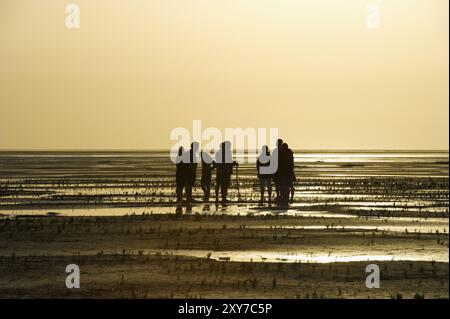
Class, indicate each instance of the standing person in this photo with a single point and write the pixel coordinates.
(276, 157)
(180, 174)
(290, 170)
(224, 169)
(207, 167)
(191, 171)
(283, 175)
(265, 180)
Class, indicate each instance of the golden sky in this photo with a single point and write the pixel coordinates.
(136, 69)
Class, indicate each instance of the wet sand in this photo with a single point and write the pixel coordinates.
(198, 256)
(114, 216)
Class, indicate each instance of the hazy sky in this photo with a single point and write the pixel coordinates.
(137, 69)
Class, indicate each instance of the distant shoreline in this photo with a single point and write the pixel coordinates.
(124, 151)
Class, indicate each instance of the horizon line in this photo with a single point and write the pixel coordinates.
(168, 149)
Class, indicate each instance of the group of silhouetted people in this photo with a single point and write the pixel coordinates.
(277, 167)
(187, 169)
(283, 176)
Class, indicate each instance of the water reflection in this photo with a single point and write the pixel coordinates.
(311, 257)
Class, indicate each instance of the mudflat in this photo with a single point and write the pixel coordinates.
(113, 214)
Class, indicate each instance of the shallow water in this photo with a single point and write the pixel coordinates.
(312, 257)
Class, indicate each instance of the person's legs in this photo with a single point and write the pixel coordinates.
(269, 190)
(204, 191)
(282, 188)
(219, 185)
(180, 183)
(292, 189)
(280, 200)
(179, 192)
(277, 190)
(285, 194)
(206, 186)
(261, 189)
(224, 190)
(207, 192)
(189, 193)
(218, 188)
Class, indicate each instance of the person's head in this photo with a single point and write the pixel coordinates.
(279, 142)
(284, 147)
(265, 150)
(194, 146)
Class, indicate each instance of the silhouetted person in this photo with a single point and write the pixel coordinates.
(283, 175)
(290, 170)
(207, 167)
(286, 174)
(276, 156)
(294, 179)
(224, 169)
(191, 170)
(180, 174)
(265, 180)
